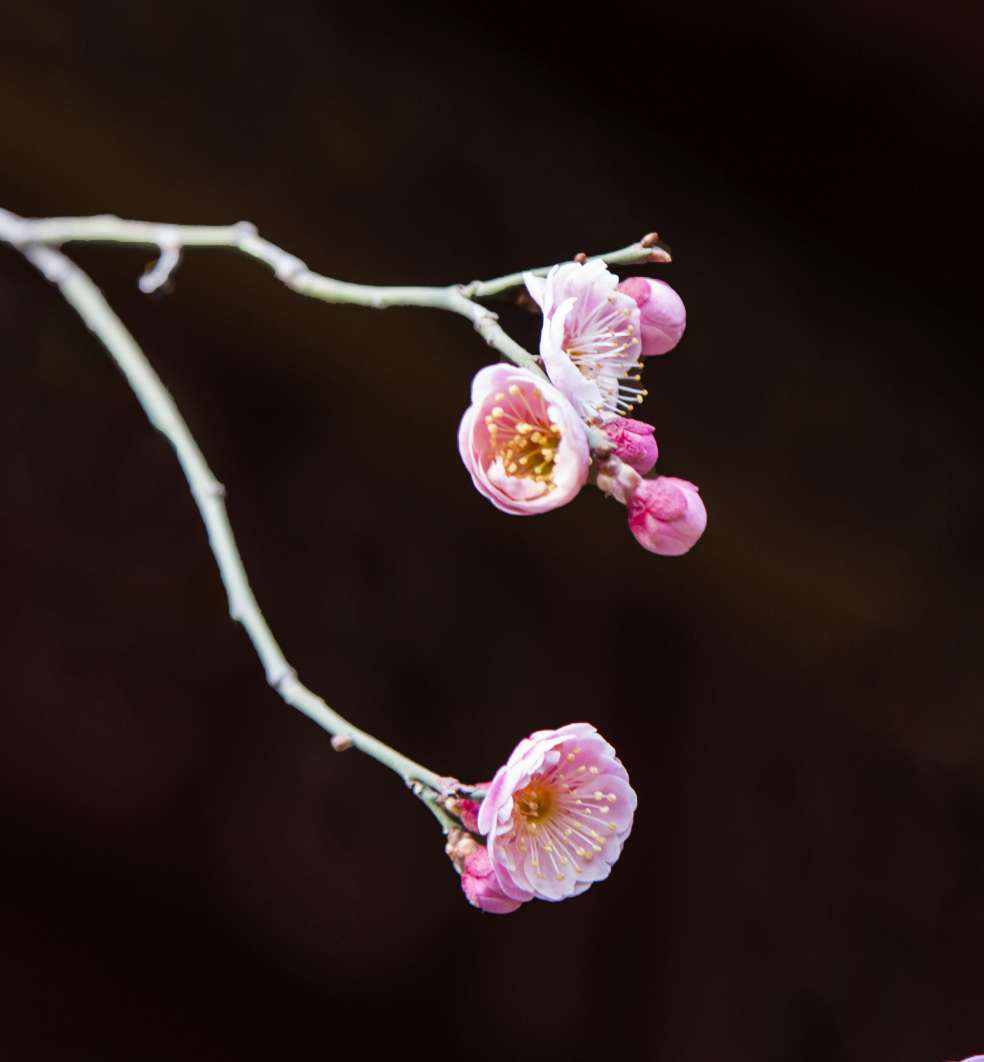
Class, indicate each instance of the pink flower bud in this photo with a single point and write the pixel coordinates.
(666, 515)
(634, 442)
(481, 887)
(663, 316)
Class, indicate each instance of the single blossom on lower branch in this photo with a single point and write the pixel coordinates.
(523, 443)
(556, 815)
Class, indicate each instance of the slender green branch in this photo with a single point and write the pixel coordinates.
(89, 303)
(170, 240)
(648, 249)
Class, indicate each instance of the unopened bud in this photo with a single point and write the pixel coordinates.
(481, 887)
(634, 442)
(666, 515)
(662, 314)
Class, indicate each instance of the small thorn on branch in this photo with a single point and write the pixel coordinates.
(341, 742)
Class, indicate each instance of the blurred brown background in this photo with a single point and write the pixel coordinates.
(189, 870)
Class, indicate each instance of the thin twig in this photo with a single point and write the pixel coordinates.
(90, 304)
(291, 270)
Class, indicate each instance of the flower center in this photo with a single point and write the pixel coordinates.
(523, 435)
(534, 802)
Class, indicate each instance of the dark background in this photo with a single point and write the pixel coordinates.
(189, 870)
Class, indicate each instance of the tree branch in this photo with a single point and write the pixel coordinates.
(89, 303)
(39, 239)
(292, 271)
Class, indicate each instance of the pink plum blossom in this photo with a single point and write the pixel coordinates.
(662, 313)
(591, 335)
(481, 887)
(557, 814)
(666, 515)
(523, 443)
(634, 442)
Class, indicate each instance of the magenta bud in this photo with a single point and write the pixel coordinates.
(481, 887)
(662, 314)
(634, 442)
(666, 515)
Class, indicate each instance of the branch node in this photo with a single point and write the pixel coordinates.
(246, 228)
(580, 258)
(341, 742)
(54, 267)
(280, 677)
(289, 269)
(650, 239)
(485, 323)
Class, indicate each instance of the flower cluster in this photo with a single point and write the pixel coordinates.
(530, 440)
(554, 819)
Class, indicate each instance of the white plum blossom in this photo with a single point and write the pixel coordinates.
(591, 337)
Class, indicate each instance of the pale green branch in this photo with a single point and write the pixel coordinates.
(89, 303)
(170, 240)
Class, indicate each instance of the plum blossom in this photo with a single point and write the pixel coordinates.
(523, 443)
(634, 442)
(661, 313)
(666, 515)
(590, 340)
(557, 814)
